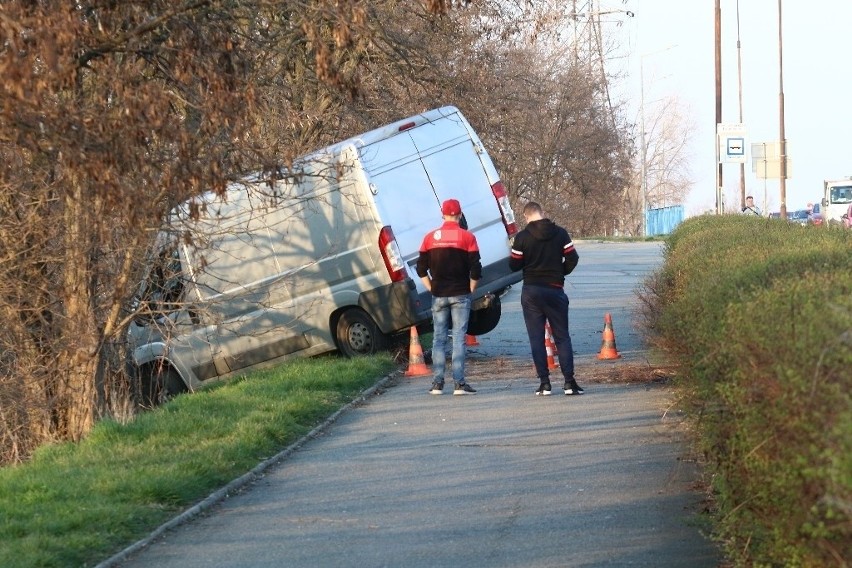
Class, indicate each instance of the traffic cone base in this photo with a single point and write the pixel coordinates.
(608, 349)
(416, 362)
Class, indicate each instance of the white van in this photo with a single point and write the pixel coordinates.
(319, 260)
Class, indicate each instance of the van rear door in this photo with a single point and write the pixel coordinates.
(403, 193)
(459, 168)
(411, 173)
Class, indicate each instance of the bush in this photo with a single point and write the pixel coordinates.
(759, 313)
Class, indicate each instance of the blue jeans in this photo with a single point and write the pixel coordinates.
(548, 304)
(443, 308)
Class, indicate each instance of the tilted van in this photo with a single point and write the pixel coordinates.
(320, 258)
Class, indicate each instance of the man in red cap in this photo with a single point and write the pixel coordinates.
(450, 267)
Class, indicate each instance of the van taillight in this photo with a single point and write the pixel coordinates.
(505, 208)
(406, 126)
(391, 254)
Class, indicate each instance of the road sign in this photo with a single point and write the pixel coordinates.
(771, 169)
(766, 160)
(732, 143)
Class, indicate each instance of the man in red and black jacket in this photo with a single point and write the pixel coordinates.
(449, 266)
(546, 254)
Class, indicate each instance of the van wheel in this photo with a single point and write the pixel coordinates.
(486, 319)
(159, 384)
(358, 334)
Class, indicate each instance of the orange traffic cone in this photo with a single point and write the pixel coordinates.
(470, 340)
(550, 346)
(608, 350)
(416, 363)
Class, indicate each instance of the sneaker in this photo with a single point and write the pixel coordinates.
(463, 388)
(571, 388)
(437, 388)
(543, 390)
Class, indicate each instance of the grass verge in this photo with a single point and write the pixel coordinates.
(77, 504)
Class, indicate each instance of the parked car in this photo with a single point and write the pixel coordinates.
(815, 215)
(800, 216)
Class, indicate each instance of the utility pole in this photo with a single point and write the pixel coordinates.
(718, 35)
(740, 81)
(643, 182)
(783, 181)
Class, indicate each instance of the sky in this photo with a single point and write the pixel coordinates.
(675, 41)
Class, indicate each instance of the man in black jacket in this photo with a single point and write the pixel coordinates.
(545, 252)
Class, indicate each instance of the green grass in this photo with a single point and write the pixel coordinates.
(77, 504)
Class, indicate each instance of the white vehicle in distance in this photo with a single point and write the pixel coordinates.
(837, 195)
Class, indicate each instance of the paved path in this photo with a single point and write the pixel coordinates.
(500, 478)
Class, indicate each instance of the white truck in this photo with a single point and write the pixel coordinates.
(836, 198)
(321, 258)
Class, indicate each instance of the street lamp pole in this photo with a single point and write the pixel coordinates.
(643, 146)
(718, 53)
(783, 181)
(740, 89)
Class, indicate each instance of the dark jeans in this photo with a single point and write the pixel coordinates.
(548, 304)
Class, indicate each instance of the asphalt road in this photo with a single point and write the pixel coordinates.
(500, 478)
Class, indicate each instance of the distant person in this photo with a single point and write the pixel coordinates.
(546, 254)
(750, 208)
(449, 266)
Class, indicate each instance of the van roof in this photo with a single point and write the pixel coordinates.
(384, 132)
(370, 137)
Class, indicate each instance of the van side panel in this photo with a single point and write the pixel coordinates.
(274, 266)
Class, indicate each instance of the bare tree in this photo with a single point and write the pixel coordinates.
(667, 167)
(112, 113)
(543, 112)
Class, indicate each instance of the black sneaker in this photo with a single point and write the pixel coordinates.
(572, 388)
(437, 388)
(543, 390)
(463, 388)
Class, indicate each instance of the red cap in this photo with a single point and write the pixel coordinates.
(451, 207)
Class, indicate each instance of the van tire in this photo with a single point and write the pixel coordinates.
(159, 384)
(485, 319)
(357, 334)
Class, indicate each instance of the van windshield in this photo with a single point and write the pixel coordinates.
(841, 194)
(161, 293)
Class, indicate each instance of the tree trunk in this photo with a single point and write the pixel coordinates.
(77, 361)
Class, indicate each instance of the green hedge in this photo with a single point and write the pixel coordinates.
(758, 313)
